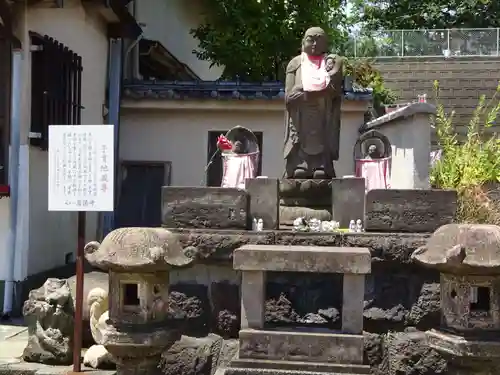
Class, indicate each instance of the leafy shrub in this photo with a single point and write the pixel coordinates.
(366, 75)
(470, 165)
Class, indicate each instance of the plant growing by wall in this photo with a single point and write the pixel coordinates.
(470, 165)
(366, 75)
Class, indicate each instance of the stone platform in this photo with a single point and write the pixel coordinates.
(294, 350)
(267, 367)
(300, 346)
(212, 246)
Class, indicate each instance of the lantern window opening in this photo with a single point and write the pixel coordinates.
(480, 301)
(130, 294)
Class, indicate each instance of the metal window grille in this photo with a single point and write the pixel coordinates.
(56, 79)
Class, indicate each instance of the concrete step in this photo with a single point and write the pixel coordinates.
(269, 367)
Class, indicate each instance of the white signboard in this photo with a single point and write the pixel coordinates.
(81, 168)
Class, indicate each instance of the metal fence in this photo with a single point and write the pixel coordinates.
(426, 43)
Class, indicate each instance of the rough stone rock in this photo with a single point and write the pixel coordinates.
(209, 245)
(425, 313)
(331, 314)
(91, 280)
(373, 349)
(97, 356)
(308, 239)
(407, 353)
(395, 248)
(49, 315)
(192, 356)
(215, 246)
(228, 352)
(202, 207)
(289, 214)
(225, 300)
(392, 210)
(192, 300)
(387, 300)
(280, 311)
(311, 318)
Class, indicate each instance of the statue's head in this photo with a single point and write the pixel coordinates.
(238, 147)
(315, 42)
(373, 151)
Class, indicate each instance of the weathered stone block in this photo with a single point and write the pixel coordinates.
(348, 200)
(409, 210)
(302, 259)
(301, 346)
(305, 193)
(264, 201)
(204, 207)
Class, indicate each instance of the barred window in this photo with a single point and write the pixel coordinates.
(56, 87)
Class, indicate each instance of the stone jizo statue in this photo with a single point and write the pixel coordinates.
(312, 96)
(373, 152)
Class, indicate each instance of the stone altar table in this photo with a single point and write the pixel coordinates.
(294, 351)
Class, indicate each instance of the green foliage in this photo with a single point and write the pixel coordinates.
(255, 39)
(471, 164)
(427, 14)
(366, 75)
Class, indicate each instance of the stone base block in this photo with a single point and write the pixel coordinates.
(264, 201)
(204, 207)
(409, 210)
(266, 367)
(280, 258)
(348, 200)
(301, 346)
(460, 347)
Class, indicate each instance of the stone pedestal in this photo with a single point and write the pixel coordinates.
(264, 201)
(264, 350)
(304, 198)
(348, 200)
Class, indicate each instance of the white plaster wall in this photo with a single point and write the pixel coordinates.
(180, 136)
(169, 22)
(4, 236)
(53, 234)
(410, 140)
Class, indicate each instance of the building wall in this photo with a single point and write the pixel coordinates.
(169, 22)
(180, 136)
(462, 80)
(45, 238)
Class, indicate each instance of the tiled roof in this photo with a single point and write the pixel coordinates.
(219, 90)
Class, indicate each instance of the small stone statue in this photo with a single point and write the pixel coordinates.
(49, 315)
(312, 96)
(373, 152)
(359, 226)
(352, 226)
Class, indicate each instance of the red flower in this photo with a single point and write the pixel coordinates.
(224, 144)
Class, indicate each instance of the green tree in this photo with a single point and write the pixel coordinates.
(255, 39)
(427, 14)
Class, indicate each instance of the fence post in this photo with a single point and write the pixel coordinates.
(498, 40)
(448, 44)
(402, 43)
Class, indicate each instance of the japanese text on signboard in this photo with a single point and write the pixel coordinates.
(81, 168)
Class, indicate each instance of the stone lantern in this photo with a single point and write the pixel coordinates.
(141, 324)
(468, 259)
